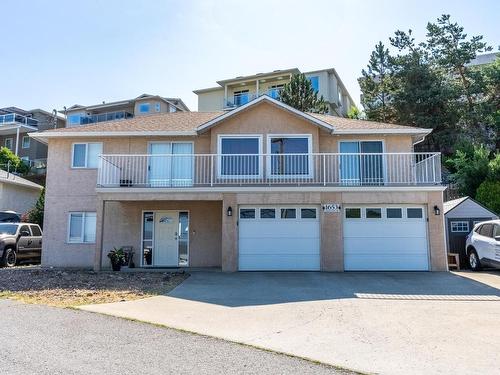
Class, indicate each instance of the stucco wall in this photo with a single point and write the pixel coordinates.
(17, 198)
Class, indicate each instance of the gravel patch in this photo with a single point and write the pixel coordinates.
(66, 288)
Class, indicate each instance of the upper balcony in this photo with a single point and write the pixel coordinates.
(80, 119)
(16, 119)
(242, 98)
(267, 170)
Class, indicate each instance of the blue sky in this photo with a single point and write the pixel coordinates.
(58, 53)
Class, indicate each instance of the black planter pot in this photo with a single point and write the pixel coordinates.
(116, 266)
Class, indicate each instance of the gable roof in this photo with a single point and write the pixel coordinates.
(194, 123)
(265, 98)
(10, 178)
(451, 205)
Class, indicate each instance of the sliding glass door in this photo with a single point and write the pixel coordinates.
(362, 163)
(170, 164)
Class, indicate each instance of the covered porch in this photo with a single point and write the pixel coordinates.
(164, 231)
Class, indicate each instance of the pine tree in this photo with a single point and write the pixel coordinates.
(300, 94)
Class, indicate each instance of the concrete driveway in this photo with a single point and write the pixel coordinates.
(389, 323)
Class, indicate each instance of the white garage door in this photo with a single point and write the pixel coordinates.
(279, 238)
(387, 238)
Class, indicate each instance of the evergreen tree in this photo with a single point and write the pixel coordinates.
(35, 215)
(300, 94)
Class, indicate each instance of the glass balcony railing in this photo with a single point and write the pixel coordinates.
(14, 118)
(243, 98)
(99, 117)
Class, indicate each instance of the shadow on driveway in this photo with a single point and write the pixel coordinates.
(264, 288)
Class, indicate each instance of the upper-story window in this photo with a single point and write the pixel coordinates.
(75, 119)
(86, 155)
(26, 141)
(9, 142)
(275, 90)
(239, 156)
(315, 83)
(158, 107)
(290, 155)
(241, 97)
(172, 108)
(144, 107)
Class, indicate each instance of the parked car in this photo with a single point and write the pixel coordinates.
(483, 245)
(19, 242)
(9, 217)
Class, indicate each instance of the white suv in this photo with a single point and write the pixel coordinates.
(483, 245)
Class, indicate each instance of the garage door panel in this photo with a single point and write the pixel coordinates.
(279, 262)
(279, 244)
(366, 229)
(278, 228)
(385, 244)
(275, 246)
(387, 262)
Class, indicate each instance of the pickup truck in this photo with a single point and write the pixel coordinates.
(19, 242)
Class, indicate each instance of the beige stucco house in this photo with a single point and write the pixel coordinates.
(261, 187)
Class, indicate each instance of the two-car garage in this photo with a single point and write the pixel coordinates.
(375, 238)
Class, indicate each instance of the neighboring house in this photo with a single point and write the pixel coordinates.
(16, 124)
(234, 92)
(144, 104)
(460, 217)
(261, 187)
(16, 193)
(484, 59)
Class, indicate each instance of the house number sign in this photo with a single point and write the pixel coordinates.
(331, 207)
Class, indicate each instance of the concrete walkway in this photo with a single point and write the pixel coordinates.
(388, 323)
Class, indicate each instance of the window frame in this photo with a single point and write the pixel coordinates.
(353, 208)
(29, 141)
(254, 209)
(401, 210)
(414, 218)
(82, 229)
(365, 210)
(316, 78)
(461, 222)
(220, 138)
(288, 208)
(309, 156)
(309, 218)
(86, 154)
(157, 107)
(145, 104)
(11, 147)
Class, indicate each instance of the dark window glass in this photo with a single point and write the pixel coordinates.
(148, 226)
(283, 164)
(308, 213)
(8, 229)
(9, 217)
(247, 213)
(288, 213)
(486, 230)
(25, 228)
(373, 213)
(267, 213)
(414, 213)
(35, 230)
(240, 159)
(394, 213)
(353, 213)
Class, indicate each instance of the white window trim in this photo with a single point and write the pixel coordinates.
(402, 209)
(81, 241)
(146, 103)
(461, 222)
(309, 208)
(353, 218)
(384, 158)
(382, 212)
(220, 137)
(309, 156)
(29, 141)
(11, 143)
(414, 218)
(86, 154)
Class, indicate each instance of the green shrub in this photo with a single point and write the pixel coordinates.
(488, 193)
(9, 160)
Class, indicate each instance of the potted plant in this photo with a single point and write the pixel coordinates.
(117, 257)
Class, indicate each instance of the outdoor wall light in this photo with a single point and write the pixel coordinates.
(229, 211)
(437, 211)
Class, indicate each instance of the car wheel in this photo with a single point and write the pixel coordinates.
(474, 262)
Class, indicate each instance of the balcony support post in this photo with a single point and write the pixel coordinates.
(257, 88)
(225, 96)
(17, 140)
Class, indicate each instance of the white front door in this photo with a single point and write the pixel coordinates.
(166, 242)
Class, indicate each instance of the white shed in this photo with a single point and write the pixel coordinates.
(460, 217)
(16, 193)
